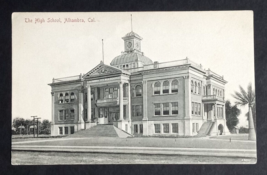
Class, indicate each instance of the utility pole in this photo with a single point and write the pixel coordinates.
(34, 125)
(37, 126)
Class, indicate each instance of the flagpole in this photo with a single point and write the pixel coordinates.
(103, 50)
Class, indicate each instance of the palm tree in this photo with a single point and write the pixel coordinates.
(247, 98)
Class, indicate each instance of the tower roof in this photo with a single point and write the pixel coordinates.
(132, 34)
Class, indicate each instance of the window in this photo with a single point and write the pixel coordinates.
(60, 130)
(192, 108)
(66, 98)
(61, 114)
(93, 113)
(138, 91)
(174, 86)
(165, 87)
(85, 114)
(92, 94)
(199, 109)
(157, 108)
(192, 86)
(72, 130)
(165, 108)
(199, 88)
(66, 116)
(124, 112)
(72, 114)
(85, 98)
(66, 130)
(111, 93)
(196, 107)
(157, 88)
(72, 97)
(197, 127)
(60, 98)
(174, 127)
(141, 128)
(204, 91)
(127, 66)
(135, 128)
(195, 87)
(106, 112)
(138, 110)
(175, 108)
(166, 128)
(213, 91)
(157, 128)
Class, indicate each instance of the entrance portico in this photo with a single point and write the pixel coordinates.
(108, 97)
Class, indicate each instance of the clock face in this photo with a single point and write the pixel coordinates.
(129, 44)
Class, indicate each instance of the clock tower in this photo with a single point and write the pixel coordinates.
(132, 42)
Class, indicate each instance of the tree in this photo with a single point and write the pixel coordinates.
(232, 113)
(18, 122)
(45, 127)
(253, 114)
(247, 98)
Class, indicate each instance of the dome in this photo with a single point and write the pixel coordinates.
(130, 58)
(130, 34)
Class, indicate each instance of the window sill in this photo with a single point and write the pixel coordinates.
(165, 115)
(137, 97)
(165, 94)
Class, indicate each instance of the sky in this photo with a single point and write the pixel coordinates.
(43, 50)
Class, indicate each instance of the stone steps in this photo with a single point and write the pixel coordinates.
(97, 131)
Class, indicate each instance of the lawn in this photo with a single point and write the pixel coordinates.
(144, 142)
(55, 158)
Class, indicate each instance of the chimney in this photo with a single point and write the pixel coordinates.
(156, 64)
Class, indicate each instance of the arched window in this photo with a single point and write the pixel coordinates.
(72, 97)
(199, 88)
(196, 87)
(157, 88)
(67, 97)
(165, 87)
(138, 91)
(60, 98)
(192, 86)
(174, 86)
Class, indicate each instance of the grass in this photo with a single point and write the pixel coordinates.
(149, 142)
(56, 158)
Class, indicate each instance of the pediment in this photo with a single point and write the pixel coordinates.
(102, 69)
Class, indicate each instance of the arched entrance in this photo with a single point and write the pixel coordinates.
(220, 128)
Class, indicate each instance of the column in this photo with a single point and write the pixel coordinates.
(187, 96)
(96, 108)
(187, 106)
(53, 117)
(129, 103)
(144, 100)
(215, 111)
(121, 101)
(89, 103)
(53, 107)
(80, 118)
